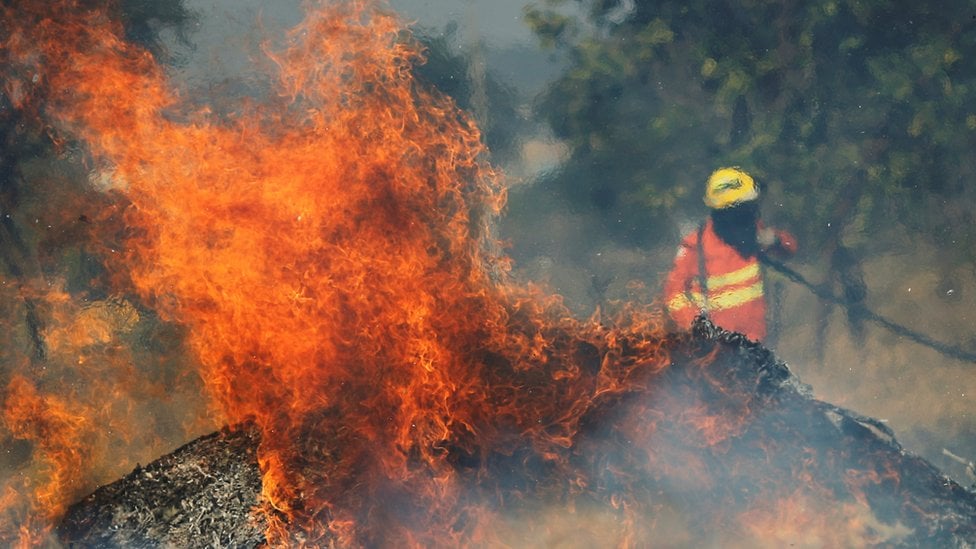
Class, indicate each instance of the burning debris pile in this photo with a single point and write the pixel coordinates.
(327, 252)
(726, 437)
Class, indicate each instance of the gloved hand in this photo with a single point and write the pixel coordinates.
(766, 238)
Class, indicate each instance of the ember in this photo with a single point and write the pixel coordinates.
(329, 254)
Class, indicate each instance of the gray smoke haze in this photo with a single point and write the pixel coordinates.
(924, 397)
(572, 253)
(227, 34)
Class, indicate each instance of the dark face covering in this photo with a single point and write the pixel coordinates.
(736, 227)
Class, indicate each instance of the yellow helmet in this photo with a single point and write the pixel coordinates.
(729, 187)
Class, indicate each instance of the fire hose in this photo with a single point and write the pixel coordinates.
(861, 311)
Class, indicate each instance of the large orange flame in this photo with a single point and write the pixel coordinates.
(328, 251)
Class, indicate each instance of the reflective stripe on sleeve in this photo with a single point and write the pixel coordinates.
(734, 298)
(681, 301)
(735, 277)
(718, 301)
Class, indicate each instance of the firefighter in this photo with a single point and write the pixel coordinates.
(717, 270)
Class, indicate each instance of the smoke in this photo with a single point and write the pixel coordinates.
(318, 239)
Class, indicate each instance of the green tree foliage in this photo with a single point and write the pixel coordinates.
(860, 116)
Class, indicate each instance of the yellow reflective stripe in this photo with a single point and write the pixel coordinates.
(717, 299)
(727, 300)
(735, 277)
(680, 301)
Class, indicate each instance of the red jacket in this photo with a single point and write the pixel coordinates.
(735, 298)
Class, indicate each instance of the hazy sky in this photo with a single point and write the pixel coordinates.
(227, 33)
(498, 22)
